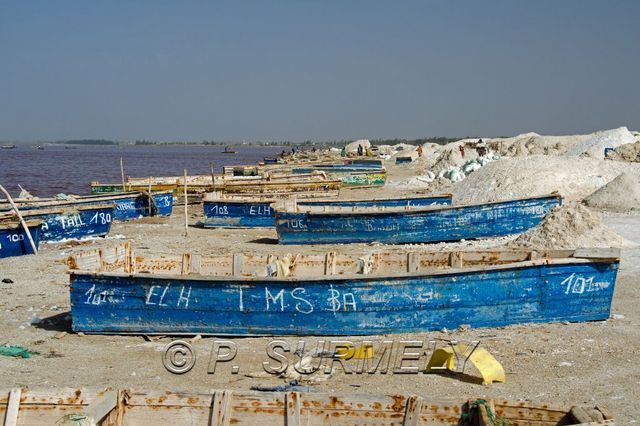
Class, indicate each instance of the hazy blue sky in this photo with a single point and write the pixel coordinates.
(296, 70)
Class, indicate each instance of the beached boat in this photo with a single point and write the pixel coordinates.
(282, 185)
(307, 224)
(108, 188)
(226, 407)
(14, 240)
(351, 174)
(73, 222)
(128, 205)
(224, 211)
(114, 291)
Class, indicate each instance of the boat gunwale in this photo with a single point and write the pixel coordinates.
(31, 223)
(353, 276)
(306, 201)
(79, 199)
(54, 210)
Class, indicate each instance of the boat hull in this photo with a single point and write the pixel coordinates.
(14, 240)
(127, 205)
(74, 223)
(490, 297)
(254, 214)
(420, 226)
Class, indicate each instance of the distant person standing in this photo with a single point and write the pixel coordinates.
(343, 153)
(419, 149)
(461, 148)
(360, 150)
(481, 148)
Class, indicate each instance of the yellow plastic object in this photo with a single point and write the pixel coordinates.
(486, 364)
(359, 352)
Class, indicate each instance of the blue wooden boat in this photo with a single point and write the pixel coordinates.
(298, 224)
(226, 211)
(128, 205)
(74, 222)
(14, 240)
(113, 291)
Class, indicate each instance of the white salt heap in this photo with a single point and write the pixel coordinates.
(519, 177)
(595, 146)
(620, 195)
(568, 227)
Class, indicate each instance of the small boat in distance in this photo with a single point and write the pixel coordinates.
(228, 151)
(7, 146)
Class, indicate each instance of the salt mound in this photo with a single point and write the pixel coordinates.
(568, 227)
(595, 146)
(535, 144)
(518, 177)
(620, 195)
(353, 146)
(627, 152)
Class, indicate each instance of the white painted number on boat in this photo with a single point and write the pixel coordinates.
(221, 210)
(577, 284)
(14, 238)
(100, 217)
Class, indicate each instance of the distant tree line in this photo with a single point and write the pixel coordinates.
(89, 142)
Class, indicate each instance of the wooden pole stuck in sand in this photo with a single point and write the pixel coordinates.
(213, 179)
(122, 174)
(186, 214)
(22, 222)
(150, 199)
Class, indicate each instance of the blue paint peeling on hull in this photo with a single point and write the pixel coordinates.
(420, 225)
(73, 223)
(14, 240)
(498, 296)
(254, 214)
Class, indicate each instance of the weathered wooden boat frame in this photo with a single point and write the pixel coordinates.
(18, 240)
(52, 231)
(308, 224)
(113, 291)
(226, 407)
(222, 210)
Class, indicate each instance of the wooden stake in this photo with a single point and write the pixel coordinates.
(150, 200)
(122, 174)
(186, 216)
(212, 177)
(22, 222)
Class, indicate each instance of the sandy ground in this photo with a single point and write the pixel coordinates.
(591, 363)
